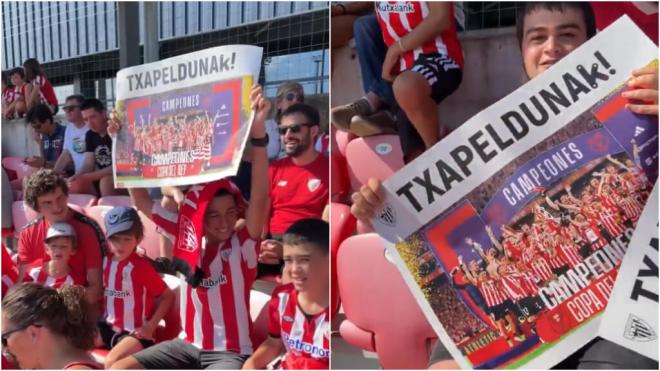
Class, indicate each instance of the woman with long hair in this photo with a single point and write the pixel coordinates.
(40, 89)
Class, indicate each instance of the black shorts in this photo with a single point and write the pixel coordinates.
(111, 338)
(499, 311)
(530, 305)
(180, 354)
(441, 72)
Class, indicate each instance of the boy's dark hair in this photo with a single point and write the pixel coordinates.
(78, 97)
(312, 231)
(92, 103)
(42, 182)
(560, 6)
(310, 113)
(39, 114)
(17, 71)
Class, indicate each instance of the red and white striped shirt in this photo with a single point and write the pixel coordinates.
(609, 216)
(491, 292)
(306, 337)
(399, 18)
(130, 287)
(538, 264)
(591, 233)
(215, 316)
(570, 254)
(9, 271)
(631, 208)
(40, 275)
(511, 284)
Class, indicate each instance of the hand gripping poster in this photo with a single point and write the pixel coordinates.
(511, 230)
(631, 317)
(185, 119)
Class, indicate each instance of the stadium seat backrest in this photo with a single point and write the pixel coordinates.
(376, 299)
(342, 138)
(373, 157)
(340, 182)
(17, 165)
(82, 199)
(21, 215)
(151, 241)
(259, 314)
(342, 226)
(97, 213)
(115, 201)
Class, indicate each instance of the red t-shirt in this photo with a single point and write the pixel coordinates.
(90, 238)
(46, 90)
(9, 271)
(608, 12)
(297, 192)
(130, 288)
(306, 337)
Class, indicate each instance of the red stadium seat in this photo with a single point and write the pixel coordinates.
(342, 138)
(151, 241)
(340, 182)
(380, 307)
(362, 228)
(115, 201)
(373, 157)
(97, 213)
(342, 226)
(82, 199)
(21, 214)
(259, 314)
(17, 167)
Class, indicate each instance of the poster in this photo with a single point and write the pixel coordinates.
(510, 232)
(631, 317)
(185, 119)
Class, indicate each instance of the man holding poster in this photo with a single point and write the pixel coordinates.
(551, 196)
(220, 263)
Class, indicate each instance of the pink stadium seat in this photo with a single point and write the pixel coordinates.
(82, 199)
(342, 138)
(362, 228)
(21, 214)
(340, 182)
(115, 201)
(373, 157)
(78, 208)
(151, 241)
(342, 226)
(381, 313)
(259, 314)
(97, 213)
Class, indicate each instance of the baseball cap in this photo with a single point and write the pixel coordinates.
(60, 229)
(120, 219)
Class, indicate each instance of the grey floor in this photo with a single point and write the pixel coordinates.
(345, 356)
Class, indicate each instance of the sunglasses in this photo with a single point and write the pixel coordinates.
(69, 108)
(295, 128)
(293, 96)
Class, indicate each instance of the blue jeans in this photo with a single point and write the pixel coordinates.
(371, 50)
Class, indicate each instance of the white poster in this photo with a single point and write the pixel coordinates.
(511, 230)
(631, 317)
(185, 119)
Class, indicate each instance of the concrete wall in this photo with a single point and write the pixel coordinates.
(17, 139)
(493, 69)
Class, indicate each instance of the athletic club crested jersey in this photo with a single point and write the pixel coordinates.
(40, 275)
(306, 337)
(130, 287)
(398, 18)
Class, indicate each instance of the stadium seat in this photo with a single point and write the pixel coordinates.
(82, 199)
(342, 138)
(362, 228)
(340, 182)
(97, 212)
(17, 167)
(21, 214)
(115, 201)
(373, 157)
(151, 241)
(379, 306)
(259, 314)
(342, 226)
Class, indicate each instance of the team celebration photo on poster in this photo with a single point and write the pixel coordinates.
(187, 117)
(528, 210)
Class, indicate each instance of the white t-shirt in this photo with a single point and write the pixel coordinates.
(74, 142)
(273, 148)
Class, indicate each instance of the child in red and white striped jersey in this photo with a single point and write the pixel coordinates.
(60, 244)
(299, 320)
(132, 286)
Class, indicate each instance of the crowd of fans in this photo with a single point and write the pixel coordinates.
(91, 287)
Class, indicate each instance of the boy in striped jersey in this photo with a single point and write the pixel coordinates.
(60, 246)
(299, 321)
(136, 297)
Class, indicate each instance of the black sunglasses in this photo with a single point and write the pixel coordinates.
(295, 128)
(291, 96)
(5, 335)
